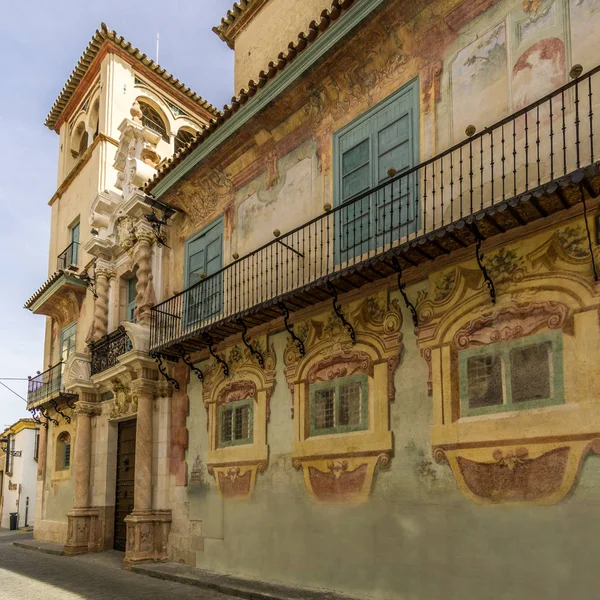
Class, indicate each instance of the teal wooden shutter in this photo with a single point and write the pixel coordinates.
(131, 299)
(204, 257)
(393, 140)
(385, 137)
(356, 172)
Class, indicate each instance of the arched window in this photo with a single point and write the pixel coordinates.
(79, 141)
(152, 120)
(95, 118)
(63, 451)
(183, 138)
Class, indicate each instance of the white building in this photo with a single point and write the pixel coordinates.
(18, 473)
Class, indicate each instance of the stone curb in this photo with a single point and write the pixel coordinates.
(45, 547)
(234, 586)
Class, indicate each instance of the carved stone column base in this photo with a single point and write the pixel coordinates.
(147, 535)
(82, 531)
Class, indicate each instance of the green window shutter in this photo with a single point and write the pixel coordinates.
(204, 256)
(131, 298)
(385, 137)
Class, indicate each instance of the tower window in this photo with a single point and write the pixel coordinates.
(152, 120)
(183, 138)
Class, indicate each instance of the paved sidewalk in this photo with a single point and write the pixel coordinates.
(32, 575)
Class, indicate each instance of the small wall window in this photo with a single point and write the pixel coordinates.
(183, 138)
(74, 247)
(131, 299)
(339, 406)
(521, 374)
(236, 423)
(152, 119)
(68, 337)
(63, 451)
(36, 443)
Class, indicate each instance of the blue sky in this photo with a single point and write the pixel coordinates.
(40, 43)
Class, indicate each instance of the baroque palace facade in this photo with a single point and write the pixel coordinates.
(344, 332)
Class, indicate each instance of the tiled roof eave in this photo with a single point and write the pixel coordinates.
(91, 52)
(304, 40)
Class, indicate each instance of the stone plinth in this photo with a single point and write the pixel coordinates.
(147, 535)
(82, 531)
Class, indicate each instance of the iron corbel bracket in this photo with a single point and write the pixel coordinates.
(479, 256)
(338, 311)
(71, 406)
(401, 287)
(48, 417)
(209, 342)
(59, 412)
(161, 367)
(35, 417)
(185, 357)
(253, 351)
(290, 329)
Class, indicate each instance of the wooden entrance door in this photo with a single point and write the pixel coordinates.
(125, 480)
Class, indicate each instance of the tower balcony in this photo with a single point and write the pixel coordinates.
(539, 161)
(62, 294)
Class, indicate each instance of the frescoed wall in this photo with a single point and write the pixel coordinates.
(439, 483)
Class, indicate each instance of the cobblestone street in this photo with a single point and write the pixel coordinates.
(30, 575)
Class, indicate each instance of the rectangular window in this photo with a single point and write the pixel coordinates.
(384, 138)
(68, 338)
(339, 406)
(236, 423)
(520, 374)
(74, 232)
(203, 258)
(131, 299)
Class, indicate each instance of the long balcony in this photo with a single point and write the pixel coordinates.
(106, 351)
(46, 387)
(538, 161)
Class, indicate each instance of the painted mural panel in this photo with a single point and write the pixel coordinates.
(479, 69)
(585, 21)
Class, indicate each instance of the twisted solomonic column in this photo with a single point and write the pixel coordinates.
(101, 304)
(143, 254)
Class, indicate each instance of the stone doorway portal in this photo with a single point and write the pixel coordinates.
(125, 480)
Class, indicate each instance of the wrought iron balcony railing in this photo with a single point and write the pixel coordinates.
(537, 161)
(106, 351)
(69, 257)
(45, 386)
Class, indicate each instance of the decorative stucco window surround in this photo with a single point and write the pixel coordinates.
(546, 295)
(339, 466)
(235, 463)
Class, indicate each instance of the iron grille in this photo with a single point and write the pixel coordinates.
(487, 174)
(69, 257)
(106, 351)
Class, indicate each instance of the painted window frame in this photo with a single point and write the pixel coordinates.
(235, 406)
(395, 233)
(193, 321)
(363, 378)
(503, 349)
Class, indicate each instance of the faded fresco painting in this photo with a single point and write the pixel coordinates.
(585, 20)
(480, 68)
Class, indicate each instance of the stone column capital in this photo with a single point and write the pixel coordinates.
(145, 387)
(86, 409)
